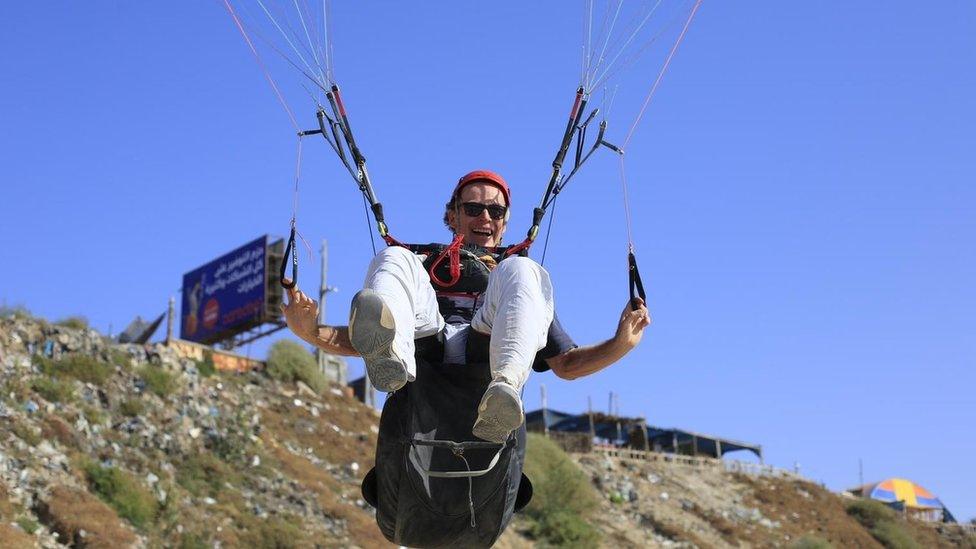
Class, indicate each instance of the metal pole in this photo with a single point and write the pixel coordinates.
(323, 289)
(647, 443)
(333, 367)
(169, 319)
(589, 408)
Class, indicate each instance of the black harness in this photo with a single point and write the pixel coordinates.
(459, 268)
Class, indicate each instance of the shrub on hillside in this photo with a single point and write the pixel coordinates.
(870, 512)
(280, 531)
(120, 358)
(27, 433)
(883, 523)
(159, 381)
(193, 540)
(16, 312)
(893, 535)
(76, 322)
(15, 389)
(290, 361)
(811, 542)
(206, 366)
(28, 525)
(123, 493)
(203, 475)
(83, 368)
(132, 407)
(53, 389)
(93, 415)
(563, 498)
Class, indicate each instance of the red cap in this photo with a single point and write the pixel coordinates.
(485, 176)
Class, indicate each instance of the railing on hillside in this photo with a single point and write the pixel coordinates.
(759, 470)
(580, 443)
(641, 455)
(967, 527)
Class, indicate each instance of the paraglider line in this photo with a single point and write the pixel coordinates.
(257, 57)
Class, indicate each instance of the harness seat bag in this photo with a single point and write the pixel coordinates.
(414, 506)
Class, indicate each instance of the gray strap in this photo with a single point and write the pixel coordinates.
(458, 449)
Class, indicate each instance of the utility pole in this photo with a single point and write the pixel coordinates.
(589, 408)
(647, 442)
(860, 472)
(332, 366)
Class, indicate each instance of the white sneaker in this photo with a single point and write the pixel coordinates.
(371, 331)
(499, 413)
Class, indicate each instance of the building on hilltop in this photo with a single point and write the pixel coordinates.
(635, 433)
(908, 497)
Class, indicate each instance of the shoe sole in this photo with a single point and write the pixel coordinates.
(499, 413)
(371, 332)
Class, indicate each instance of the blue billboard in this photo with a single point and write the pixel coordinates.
(227, 295)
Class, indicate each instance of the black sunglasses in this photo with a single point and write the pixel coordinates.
(474, 209)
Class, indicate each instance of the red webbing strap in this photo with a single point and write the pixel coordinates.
(454, 253)
(390, 241)
(518, 248)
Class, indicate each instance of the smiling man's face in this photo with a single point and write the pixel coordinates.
(480, 229)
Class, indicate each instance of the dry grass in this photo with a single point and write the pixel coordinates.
(15, 538)
(298, 426)
(69, 512)
(55, 428)
(820, 513)
(726, 530)
(360, 525)
(7, 509)
(669, 530)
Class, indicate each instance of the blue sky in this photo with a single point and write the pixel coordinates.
(802, 189)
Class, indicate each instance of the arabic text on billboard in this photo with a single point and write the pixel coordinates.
(225, 294)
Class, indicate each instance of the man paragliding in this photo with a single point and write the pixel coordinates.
(453, 332)
(513, 313)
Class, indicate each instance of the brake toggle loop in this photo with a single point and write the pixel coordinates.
(294, 262)
(636, 285)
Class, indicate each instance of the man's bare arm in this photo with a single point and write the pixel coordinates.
(332, 339)
(589, 359)
(301, 313)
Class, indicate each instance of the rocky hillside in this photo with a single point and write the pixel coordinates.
(133, 446)
(670, 505)
(123, 445)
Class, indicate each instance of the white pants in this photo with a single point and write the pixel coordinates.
(517, 310)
